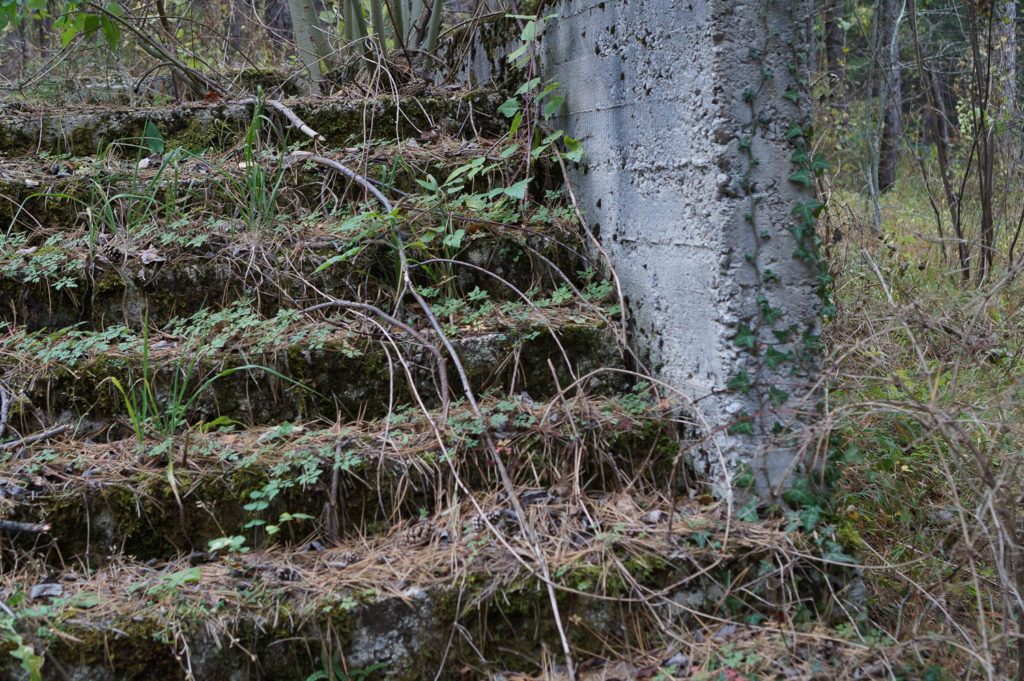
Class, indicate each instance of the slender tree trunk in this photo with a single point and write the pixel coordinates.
(13, 52)
(305, 24)
(889, 15)
(1004, 63)
(980, 31)
(934, 94)
(239, 18)
(835, 59)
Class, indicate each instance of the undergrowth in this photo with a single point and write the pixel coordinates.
(923, 423)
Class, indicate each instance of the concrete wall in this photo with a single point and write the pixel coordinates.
(655, 91)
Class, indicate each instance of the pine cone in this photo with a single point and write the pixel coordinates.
(419, 534)
(414, 88)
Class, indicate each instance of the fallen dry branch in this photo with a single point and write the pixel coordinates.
(292, 117)
(29, 439)
(14, 526)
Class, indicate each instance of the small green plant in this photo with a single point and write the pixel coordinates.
(255, 194)
(167, 415)
(31, 662)
(234, 544)
(337, 672)
(167, 584)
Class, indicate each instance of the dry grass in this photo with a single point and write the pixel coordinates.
(926, 420)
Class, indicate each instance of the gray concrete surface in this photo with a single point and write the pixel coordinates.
(654, 90)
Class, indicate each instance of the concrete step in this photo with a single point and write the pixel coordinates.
(101, 499)
(252, 184)
(195, 126)
(234, 363)
(444, 593)
(53, 279)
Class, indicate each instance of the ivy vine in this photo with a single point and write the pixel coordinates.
(767, 336)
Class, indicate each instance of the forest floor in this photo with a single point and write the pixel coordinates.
(295, 423)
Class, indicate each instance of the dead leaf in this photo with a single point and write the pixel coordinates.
(150, 255)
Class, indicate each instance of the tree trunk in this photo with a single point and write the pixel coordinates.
(13, 52)
(1004, 95)
(237, 34)
(278, 21)
(305, 24)
(981, 89)
(934, 93)
(1004, 62)
(835, 59)
(888, 16)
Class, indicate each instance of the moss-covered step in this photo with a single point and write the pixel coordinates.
(221, 124)
(173, 494)
(54, 278)
(254, 185)
(234, 363)
(460, 589)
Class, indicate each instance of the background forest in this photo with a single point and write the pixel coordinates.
(919, 113)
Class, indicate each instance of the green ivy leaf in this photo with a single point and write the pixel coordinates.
(812, 342)
(783, 335)
(773, 357)
(802, 176)
(745, 337)
(778, 396)
(745, 478)
(795, 130)
(819, 163)
(742, 426)
(808, 211)
(740, 382)
(792, 95)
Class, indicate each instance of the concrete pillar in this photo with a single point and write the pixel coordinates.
(690, 116)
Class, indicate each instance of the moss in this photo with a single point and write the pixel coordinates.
(133, 653)
(108, 282)
(86, 139)
(200, 133)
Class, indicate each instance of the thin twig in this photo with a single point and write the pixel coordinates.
(13, 526)
(292, 117)
(347, 172)
(5, 408)
(45, 435)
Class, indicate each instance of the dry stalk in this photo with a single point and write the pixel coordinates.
(29, 439)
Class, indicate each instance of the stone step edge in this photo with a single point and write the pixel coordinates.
(410, 587)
